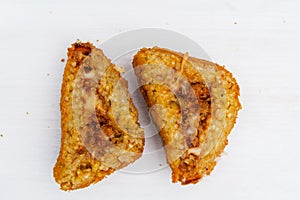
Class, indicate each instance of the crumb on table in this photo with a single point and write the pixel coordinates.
(27, 113)
(97, 40)
(48, 74)
(1, 135)
(235, 22)
(62, 60)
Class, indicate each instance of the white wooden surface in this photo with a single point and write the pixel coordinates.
(259, 41)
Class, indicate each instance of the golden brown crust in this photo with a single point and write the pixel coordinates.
(100, 134)
(192, 156)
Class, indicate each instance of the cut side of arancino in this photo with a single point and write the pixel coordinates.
(100, 129)
(195, 106)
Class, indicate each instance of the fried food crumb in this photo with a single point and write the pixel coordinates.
(48, 74)
(62, 60)
(27, 113)
(97, 40)
(1, 135)
(235, 22)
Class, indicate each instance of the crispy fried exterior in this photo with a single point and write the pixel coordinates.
(191, 153)
(100, 130)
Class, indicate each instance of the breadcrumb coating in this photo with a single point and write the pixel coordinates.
(194, 119)
(100, 129)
